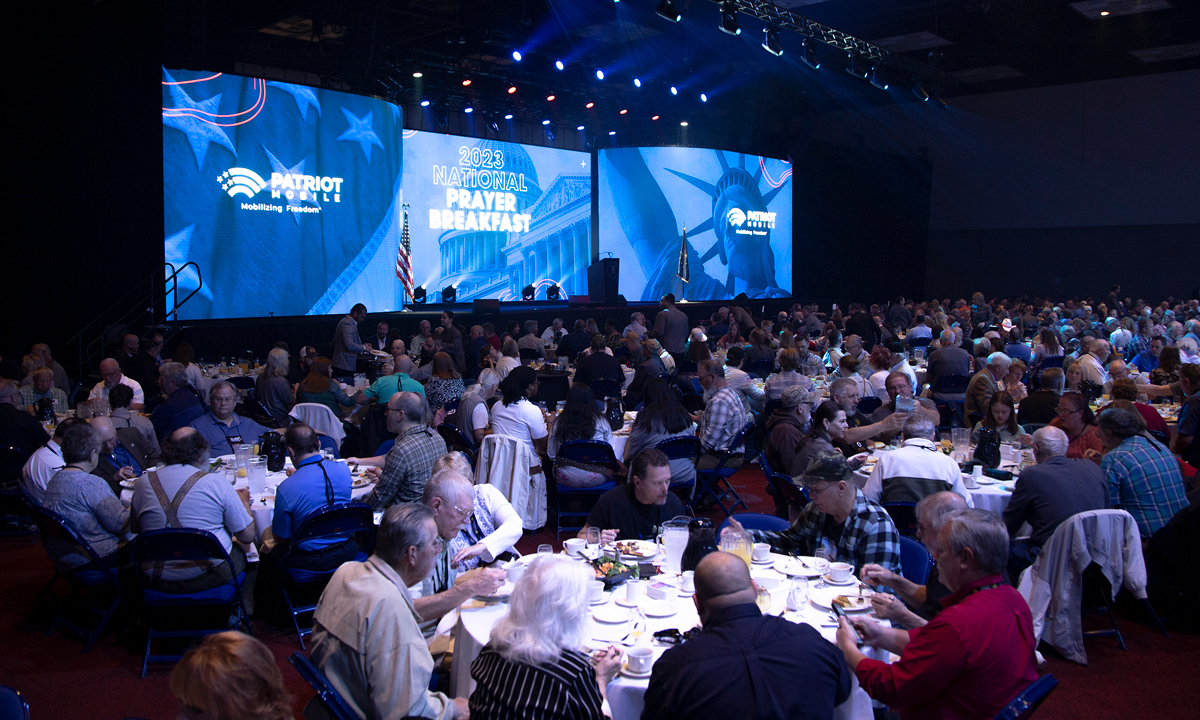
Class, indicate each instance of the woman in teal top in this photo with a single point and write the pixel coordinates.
(319, 387)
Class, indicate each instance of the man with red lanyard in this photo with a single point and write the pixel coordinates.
(976, 655)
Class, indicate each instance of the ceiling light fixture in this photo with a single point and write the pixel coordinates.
(808, 53)
(771, 40)
(729, 22)
(666, 10)
(517, 55)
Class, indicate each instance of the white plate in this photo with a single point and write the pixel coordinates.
(360, 484)
(610, 615)
(127, 484)
(793, 568)
(823, 598)
(846, 583)
(644, 549)
(657, 609)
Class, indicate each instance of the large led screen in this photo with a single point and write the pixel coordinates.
(720, 221)
(491, 218)
(286, 197)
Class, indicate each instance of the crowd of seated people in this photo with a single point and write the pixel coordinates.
(1035, 371)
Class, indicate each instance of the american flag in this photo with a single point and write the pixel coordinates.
(683, 273)
(404, 259)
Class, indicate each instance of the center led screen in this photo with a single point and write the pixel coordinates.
(718, 220)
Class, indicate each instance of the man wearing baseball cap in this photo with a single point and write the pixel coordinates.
(838, 517)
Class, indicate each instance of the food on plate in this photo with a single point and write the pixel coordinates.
(607, 567)
(879, 446)
(637, 548)
(852, 602)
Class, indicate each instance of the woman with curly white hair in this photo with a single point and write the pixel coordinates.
(532, 667)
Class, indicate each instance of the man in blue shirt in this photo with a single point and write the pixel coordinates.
(1147, 360)
(180, 405)
(222, 427)
(315, 484)
(1143, 476)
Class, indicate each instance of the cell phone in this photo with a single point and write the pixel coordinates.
(840, 613)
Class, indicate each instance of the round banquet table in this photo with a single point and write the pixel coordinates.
(626, 695)
(991, 495)
(262, 507)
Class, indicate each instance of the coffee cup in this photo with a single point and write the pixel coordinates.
(515, 570)
(635, 590)
(640, 659)
(761, 551)
(595, 591)
(574, 546)
(840, 571)
(688, 581)
(977, 471)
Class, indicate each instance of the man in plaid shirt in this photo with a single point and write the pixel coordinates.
(1143, 476)
(839, 516)
(407, 466)
(789, 375)
(724, 415)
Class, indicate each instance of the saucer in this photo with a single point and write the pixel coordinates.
(610, 615)
(623, 601)
(768, 561)
(658, 609)
(846, 583)
(627, 672)
(601, 601)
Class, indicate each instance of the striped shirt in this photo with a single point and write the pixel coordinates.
(509, 690)
(1144, 479)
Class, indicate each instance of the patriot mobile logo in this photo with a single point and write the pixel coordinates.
(736, 217)
(240, 181)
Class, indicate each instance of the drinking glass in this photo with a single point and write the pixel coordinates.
(798, 593)
(241, 455)
(961, 437)
(84, 410)
(545, 550)
(256, 474)
(674, 540)
(825, 557)
(100, 407)
(593, 541)
(738, 543)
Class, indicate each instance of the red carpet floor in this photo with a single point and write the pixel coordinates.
(1155, 677)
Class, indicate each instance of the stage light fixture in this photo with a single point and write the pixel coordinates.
(418, 74)
(512, 89)
(550, 97)
(517, 55)
(468, 109)
(554, 292)
(654, 118)
(683, 123)
(937, 99)
(599, 74)
(590, 105)
(612, 132)
(808, 53)
(771, 40)
(674, 91)
(874, 79)
(559, 64)
(424, 103)
(508, 116)
(637, 82)
(449, 293)
(545, 122)
(920, 91)
(703, 97)
(623, 111)
(549, 132)
(494, 128)
(580, 127)
(666, 10)
(466, 82)
(528, 292)
(857, 66)
(419, 295)
(729, 21)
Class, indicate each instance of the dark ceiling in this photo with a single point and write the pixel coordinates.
(959, 47)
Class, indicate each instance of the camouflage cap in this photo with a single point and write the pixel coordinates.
(828, 466)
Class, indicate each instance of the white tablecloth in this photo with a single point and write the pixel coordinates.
(626, 696)
(991, 497)
(262, 507)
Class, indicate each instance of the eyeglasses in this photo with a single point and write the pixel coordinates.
(1063, 411)
(459, 510)
(437, 543)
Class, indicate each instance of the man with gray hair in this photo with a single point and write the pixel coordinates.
(786, 427)
(451, 497)
(1048, 493)
(111, 375)
(984, 624)
(366, 633)
(180, 405)
(986, 383)
(221, 426)
(925, 600)
(1091, 364)
(1042, 406)
(406, 467)
(1143, 476)
(530, 341)
(61, 381)
(915, 470)
(637, 325)
(555, 333)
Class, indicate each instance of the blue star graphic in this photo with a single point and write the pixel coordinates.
(199, 133)
(176, 249)
(360, 132)
(304, 96)
(297, 169)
